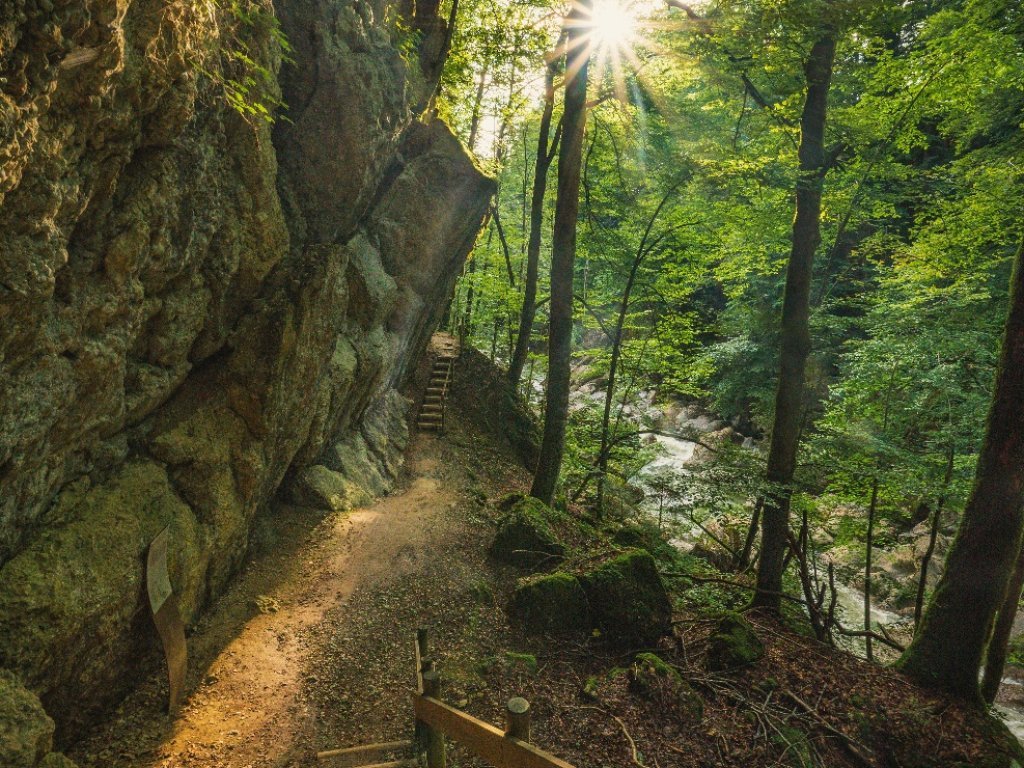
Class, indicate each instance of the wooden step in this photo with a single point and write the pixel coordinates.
(370, 749)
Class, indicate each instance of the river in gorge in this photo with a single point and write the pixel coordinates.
(678, 455)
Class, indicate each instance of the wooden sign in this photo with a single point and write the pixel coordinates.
(167, 618)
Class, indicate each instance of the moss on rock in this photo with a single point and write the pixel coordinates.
(646, 536)
(85, 579)
(733, 644)
(57, 760)
(653, 679)
(26, 732)
(323, 488)
(628, 600)
(525, 536)
(553, 603)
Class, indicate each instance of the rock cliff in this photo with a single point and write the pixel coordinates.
(200, 312)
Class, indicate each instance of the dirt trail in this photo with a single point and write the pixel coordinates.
(254, 677)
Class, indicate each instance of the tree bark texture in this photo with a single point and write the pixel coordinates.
(563, 253)
(949, 647)
(796, 337)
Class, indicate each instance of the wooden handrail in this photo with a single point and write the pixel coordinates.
(481, 738)
(435, 719)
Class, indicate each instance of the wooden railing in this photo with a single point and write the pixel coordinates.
(435, 720)
(510, 748)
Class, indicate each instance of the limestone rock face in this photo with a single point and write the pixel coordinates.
(199, 312)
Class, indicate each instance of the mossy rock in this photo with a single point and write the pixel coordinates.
(56, 760)
(551, 604)
(26, 731)
(322, 488)
(733, 644)
(647, 536)
(628, 600)
(525, 536)
(652, 679)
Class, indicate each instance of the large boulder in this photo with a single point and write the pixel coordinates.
(628, 600)
(525, 535)
(733, 644)
(26, 731)
(551, 604)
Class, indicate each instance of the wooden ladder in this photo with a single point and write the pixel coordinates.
(432, 412)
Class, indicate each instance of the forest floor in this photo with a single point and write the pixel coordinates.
(312, 648)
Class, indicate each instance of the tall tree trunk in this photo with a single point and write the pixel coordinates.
(933, 535)
(950, 645)
(545, 154)
(796, 336)
(995, 659)
(563, 253)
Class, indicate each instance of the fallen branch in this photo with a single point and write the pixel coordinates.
(854, 747)
(883, 638)
(625, 732)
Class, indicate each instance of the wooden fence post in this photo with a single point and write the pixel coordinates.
(518, 716)
(436, 757)
(421, 641)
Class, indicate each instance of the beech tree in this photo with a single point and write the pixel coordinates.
(796, 336)
(563, 252)
(949, 648)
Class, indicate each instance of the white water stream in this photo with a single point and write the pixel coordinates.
(676, 454)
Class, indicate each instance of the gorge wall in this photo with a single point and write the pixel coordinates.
(200, 312)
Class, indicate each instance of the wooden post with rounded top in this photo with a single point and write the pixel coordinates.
(517, 713)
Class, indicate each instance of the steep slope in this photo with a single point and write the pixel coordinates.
(194, 308)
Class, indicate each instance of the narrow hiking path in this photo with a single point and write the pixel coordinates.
(311, 648)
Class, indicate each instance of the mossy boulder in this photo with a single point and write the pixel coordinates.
(552, 604)
(647, 536)
(628, 600)
(26, 731)
(652, 679)
(525, 535)
(733, 644)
